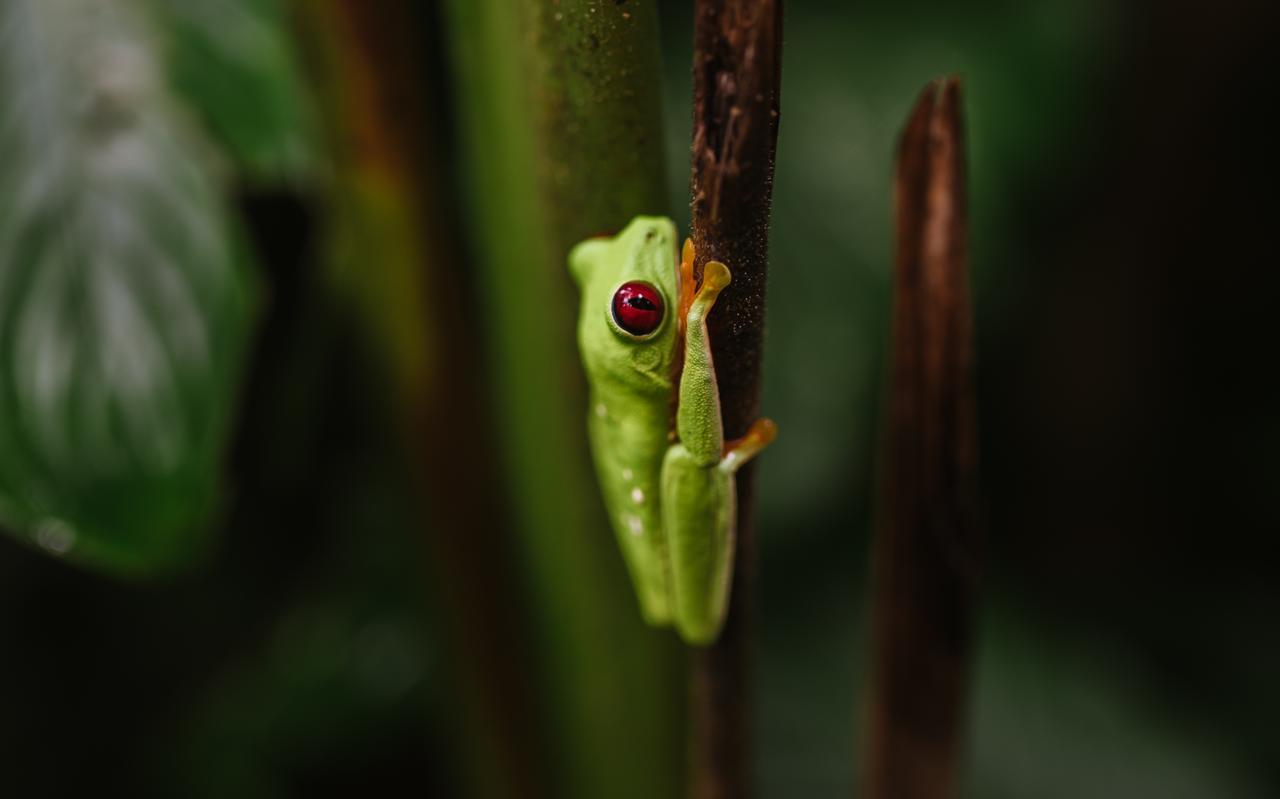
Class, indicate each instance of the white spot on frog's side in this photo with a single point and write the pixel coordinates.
(601, 411)
(634, 524)
(55, 536)
(627, 474)
(637, 496)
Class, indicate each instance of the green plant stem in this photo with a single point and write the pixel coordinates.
(394, 256)
(561, 131)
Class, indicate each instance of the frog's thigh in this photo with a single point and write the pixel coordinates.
(697, 517)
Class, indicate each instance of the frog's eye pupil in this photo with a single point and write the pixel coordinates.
(637, 308)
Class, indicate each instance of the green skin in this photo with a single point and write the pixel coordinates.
(669, 493)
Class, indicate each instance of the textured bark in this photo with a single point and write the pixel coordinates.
(925, 560)
(737, 61)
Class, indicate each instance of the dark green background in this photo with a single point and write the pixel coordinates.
(1124, 284)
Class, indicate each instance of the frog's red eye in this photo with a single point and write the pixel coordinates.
(637, 308)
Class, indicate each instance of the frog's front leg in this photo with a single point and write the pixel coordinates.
(698, 495)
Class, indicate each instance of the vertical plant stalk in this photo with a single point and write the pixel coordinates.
(561, 121)
(397, 258)
(925, 558)
(736, 71)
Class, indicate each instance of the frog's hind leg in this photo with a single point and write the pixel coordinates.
(698, 505)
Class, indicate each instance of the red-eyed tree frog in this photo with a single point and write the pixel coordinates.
(665, 470)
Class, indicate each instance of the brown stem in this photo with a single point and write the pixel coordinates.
(925, 559)
(736, 67)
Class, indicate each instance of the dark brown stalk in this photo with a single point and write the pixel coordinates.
(925, 551)
(736, 67)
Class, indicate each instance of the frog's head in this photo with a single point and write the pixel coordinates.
(630, 283)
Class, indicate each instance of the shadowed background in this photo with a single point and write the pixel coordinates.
(317, 639)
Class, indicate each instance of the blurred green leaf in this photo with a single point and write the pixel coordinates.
(123, 307)
(235, 61)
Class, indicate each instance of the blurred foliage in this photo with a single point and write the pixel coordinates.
(236, 63)
(1127, 646)
(125, 304)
